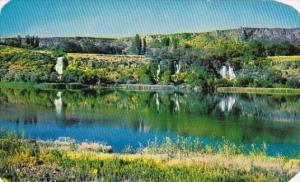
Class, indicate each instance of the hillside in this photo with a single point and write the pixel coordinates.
(194, 59)
(125, 45)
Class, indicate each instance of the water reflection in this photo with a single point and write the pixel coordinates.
(59, 105)
(227, 103)
(241, 118)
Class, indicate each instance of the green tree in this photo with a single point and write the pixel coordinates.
(175, 42)
(166, 41)
(57, 51)
(144, 46)
(27, 39)
(37, 41)
(19, 41)
(138, 43)
(32, 41)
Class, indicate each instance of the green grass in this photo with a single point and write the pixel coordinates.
(281, 91)
(277, 59)
(26, 160)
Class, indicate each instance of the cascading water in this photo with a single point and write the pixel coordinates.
(59, 67)
(158, 72)
(223, 72)
(177, 67)
(231, 73)
(227, 72)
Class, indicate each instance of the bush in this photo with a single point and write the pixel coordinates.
(243, 81)
(57, 51)
(223, 83)
(293, 82)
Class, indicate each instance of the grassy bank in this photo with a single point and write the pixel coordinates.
(277, 59)
(281, 91)
(30, 161)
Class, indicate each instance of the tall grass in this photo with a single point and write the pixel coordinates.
(180, 160)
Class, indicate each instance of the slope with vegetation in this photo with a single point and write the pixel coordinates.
(179, 59)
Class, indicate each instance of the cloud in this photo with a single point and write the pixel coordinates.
(293, 3)
(3, 3)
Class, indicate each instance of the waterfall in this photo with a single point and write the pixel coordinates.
(227, 72)
(177, 67)
(223, 71)
(231, 73)
(59, 67)
(158, 71)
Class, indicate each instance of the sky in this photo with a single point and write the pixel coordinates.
(116, 18)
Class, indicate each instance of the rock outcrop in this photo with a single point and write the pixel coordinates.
(125, 44)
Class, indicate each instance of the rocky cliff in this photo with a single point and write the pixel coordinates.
(124, 44)
(264, 34)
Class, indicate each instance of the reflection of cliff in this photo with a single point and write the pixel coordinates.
(280, 116)
(263, 108)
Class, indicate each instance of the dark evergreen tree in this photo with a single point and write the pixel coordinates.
(166, 41)
(138, 42)
(37, 42)
(144, 46)
(27, 39)
(19, 41)
(32, 41)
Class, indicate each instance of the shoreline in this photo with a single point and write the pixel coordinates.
(79, 86)
(150, 88)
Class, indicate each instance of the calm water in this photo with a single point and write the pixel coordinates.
(123, 118)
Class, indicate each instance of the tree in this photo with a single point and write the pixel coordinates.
(27, 39)
(19, 41)
(175, 42)
(144, 46)
(138, 42)
(57, 51)
(166, 41)
(37, 42)
(32, 41)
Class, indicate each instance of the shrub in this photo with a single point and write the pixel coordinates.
(293, 82)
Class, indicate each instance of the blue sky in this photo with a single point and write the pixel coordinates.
(127, 17)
